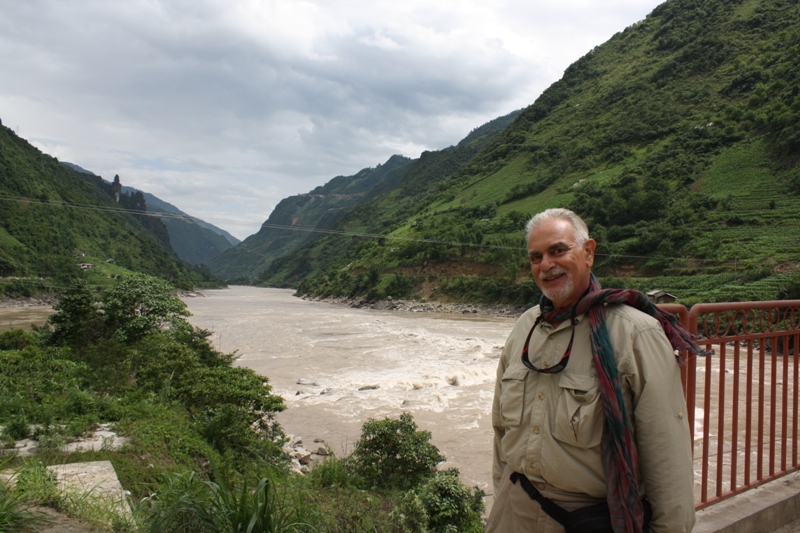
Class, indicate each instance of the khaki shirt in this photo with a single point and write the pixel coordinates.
(549, 426)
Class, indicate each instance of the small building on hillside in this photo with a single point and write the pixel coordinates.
(661, 297)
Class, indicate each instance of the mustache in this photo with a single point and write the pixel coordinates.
(555, 271)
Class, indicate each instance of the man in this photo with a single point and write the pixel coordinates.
(588, 406)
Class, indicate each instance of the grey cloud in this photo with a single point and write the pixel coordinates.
(178, 96)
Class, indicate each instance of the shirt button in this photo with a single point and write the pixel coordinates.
(533, 464)
(546, 365)
(680, 416)
(536, 430)
(542, 396)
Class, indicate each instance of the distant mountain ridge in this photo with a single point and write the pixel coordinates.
(299, 219)
(194, 240)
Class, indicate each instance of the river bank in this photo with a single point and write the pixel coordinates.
(413, 306)
(40, 300)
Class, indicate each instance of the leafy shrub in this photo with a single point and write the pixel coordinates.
(410, 516)
(16, 339)
(235, 406)
(17, 427)
(393, 454)
(333, 472)
(440, 505)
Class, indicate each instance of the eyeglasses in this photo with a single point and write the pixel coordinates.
(564, 358)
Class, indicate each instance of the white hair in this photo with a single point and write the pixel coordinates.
(581, 230)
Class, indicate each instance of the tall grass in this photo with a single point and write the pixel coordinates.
(187, 504)
(14, 513)
(18, 492)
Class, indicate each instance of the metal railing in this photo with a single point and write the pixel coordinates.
(743, 399)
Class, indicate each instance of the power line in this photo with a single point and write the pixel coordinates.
(179, 216)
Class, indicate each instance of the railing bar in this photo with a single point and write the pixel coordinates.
(784, 399)
(706, 428)
(761, 375)
(765, 447)
(748, 440)
(735, 417)
(795, 388)
(691, 391)
(773, 404)
(721, 418)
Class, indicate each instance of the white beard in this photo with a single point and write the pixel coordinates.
(562, 292)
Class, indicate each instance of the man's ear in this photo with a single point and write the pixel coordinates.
(589, 247)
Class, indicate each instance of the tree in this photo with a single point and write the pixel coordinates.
(77, 320)
(141, 305)
(394, 454)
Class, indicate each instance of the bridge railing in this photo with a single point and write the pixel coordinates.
(743, 399)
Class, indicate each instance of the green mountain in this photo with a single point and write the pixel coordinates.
(193, 240)
(396, 185)
(677, 140)
(157, 205)
(55, 220)
(298, 218)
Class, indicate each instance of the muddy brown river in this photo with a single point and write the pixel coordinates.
(23, 317)
(337, 367)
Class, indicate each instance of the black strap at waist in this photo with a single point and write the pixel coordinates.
(558, 513)
(594, 518)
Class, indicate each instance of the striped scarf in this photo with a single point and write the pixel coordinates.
(620, 458)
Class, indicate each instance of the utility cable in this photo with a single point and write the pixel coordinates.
(180, 216)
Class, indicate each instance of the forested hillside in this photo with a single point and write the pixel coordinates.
(195, 241)
(295, 219)
(54, 219)
(677, 140)
(379, 194)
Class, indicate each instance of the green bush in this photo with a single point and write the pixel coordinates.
(16, 339)
(440, 505)
(393, 454)
(333, 472)
(17, 427)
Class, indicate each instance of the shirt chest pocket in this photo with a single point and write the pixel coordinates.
(512, 395)
(579, 412)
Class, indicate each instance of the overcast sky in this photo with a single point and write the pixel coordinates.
(225, 107)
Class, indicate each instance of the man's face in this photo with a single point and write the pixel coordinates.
(560, 267)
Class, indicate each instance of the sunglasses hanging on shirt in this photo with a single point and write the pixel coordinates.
(564, 358)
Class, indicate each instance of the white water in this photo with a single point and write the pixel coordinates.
(438, 367)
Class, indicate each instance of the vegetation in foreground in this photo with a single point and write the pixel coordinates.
(206, 453)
